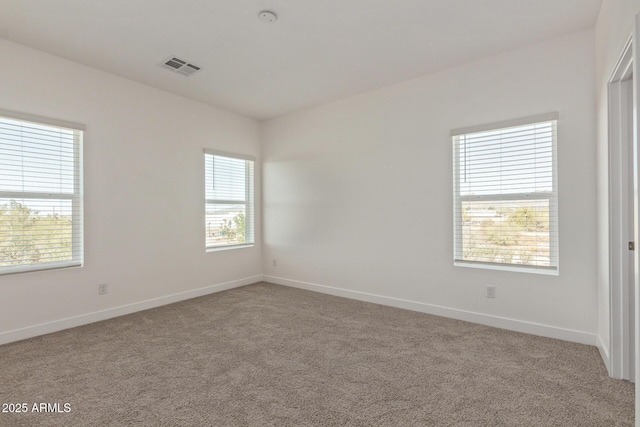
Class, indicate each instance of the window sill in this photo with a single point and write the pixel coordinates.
(228, 247)
(509, 267)
(42, 267)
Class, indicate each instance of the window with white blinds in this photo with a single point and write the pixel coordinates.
(506, 196)
(229, 203)
(40, 193)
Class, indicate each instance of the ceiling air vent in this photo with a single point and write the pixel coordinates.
(179, 66)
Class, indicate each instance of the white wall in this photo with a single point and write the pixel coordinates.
(358, 193)
(613, 29)
(144, 194)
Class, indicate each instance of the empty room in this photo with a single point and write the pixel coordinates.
(329, 213)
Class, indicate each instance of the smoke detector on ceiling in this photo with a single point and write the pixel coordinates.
(268, 16)
(179, 66)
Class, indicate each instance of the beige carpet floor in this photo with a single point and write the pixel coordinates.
(266, 355)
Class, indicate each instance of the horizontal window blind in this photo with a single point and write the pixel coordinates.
(505, 196)
(229, 194)
(40, 196)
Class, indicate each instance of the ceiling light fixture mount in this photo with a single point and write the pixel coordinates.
(268, 17)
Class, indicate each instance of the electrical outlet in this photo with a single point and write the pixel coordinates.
(491, 291)
(275, 262)
(103, 288)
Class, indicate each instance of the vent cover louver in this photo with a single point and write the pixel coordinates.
(179, 66)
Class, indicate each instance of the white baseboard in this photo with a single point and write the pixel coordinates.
(453, 313)
(604, 353)
(83, 319)
(484, 319)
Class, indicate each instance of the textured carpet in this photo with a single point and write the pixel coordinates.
(265, 355)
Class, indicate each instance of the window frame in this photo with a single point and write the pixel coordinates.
(550, 196)
(77, 198)
(249, 200)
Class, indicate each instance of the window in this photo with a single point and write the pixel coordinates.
(40, 193)
(229, 200)
(505, 195)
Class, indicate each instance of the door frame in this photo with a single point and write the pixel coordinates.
(621, 181)
(636, 200)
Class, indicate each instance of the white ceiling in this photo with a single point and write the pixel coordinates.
(317, 51)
